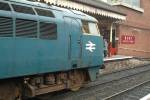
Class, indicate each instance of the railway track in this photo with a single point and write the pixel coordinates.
(106, 85)
(117, 75)
(134, 93)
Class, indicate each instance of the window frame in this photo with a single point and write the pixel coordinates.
(8, 6)
(128, 5)
(36, 10)
(87, 27)
(90, 33)
(131, 3)
(31, 8)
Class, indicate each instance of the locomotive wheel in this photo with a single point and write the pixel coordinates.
(75, 88)
(18, 95)
(9, 91)
(76, 80)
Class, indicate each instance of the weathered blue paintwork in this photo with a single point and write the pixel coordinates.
(28, 56)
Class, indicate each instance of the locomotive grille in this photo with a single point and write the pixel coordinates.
(48, 30)
(26, 28)
(6, 27)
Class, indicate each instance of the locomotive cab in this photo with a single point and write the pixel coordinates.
(84, 44)
(92, 44)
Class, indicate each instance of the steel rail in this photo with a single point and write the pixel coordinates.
(112, 81)
(124, 91)
(99, 82)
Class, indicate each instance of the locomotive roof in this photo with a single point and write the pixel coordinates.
(64, 12)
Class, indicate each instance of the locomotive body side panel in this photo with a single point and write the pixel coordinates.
(73, 30)
(28, 56)
(92, 50)
(68, 49)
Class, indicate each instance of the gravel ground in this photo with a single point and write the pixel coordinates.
(124, 64)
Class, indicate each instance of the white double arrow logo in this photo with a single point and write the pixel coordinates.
(90, 46)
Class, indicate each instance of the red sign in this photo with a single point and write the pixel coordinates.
(126, 39)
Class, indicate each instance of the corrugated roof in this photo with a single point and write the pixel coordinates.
(90, 6)
(101, 5)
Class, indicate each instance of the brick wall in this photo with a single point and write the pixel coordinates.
(137, 25)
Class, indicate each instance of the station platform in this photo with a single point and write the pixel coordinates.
(117, 58)
(147, 97)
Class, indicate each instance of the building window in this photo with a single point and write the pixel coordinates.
(112, 1)
(104, 0)
(133, 3)
(136, 3)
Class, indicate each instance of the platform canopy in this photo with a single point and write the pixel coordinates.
(90, 6)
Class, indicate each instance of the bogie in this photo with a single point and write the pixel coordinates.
(33, 86)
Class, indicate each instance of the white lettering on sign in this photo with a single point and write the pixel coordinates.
(90, 46)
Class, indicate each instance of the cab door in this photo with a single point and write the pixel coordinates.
(73, 29)
(92, 45)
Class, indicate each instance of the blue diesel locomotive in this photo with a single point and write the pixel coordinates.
(44, 48)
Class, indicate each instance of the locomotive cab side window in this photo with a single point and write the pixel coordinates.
(4, 6)
(43, 12)
(85, 27)
(23, 9)
(90, 28)
(93, 28)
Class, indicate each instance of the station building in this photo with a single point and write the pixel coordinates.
(109, 17)
(124, 23)
(134, 33)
